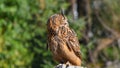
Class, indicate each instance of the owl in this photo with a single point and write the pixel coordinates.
(62, 41)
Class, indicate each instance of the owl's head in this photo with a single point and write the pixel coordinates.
(56, 21)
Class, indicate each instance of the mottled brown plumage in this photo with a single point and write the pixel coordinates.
(62, 41)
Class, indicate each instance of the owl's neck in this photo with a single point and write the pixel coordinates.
(52, 32)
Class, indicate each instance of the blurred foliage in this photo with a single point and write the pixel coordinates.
(23, 31)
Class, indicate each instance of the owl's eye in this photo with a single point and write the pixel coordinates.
(63, 18)
(65, 24)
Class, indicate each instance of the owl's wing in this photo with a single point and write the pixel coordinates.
(73, 43)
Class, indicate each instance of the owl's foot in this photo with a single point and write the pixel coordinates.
(68, 64)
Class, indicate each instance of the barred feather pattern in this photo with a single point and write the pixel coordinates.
(62, 41)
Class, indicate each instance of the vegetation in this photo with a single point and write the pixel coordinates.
(23, 31)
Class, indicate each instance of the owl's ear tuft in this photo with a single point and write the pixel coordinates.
(62, 13)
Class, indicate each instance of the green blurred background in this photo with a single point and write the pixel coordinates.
(23, 32)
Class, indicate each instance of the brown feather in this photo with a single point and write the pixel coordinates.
(63, 41)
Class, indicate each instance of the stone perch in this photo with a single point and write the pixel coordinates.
(65, 66)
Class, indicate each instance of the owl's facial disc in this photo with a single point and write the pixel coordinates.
(59, 20)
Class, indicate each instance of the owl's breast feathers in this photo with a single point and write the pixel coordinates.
(71, 40)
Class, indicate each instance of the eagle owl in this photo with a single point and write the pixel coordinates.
(62, 40)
